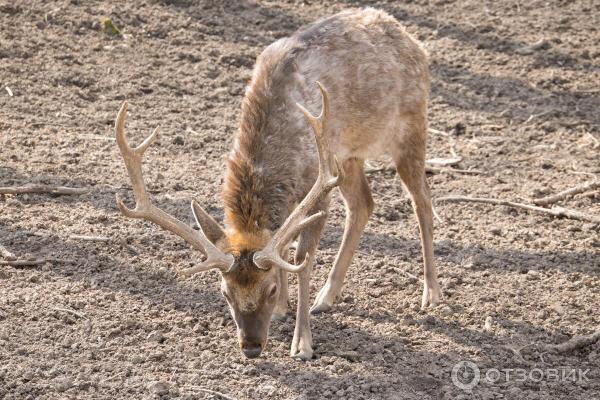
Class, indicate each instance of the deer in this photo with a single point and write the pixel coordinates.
(373, 86)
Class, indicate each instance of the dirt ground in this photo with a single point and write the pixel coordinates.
(516, 86)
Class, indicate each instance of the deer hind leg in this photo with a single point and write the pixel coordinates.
(307, 247)
(411, 168)
(359, 207)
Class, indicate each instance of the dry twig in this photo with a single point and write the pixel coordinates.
(32, 263)
(69, 311)
(86, 238)
(43, 189)
(438, 132)
(23, 263)
(444, 162)
(567, 193)
(428, 168)
(213, 392)
(576, 342)
(554, 211)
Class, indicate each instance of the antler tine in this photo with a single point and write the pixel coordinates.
(144, 209)
(325, 182)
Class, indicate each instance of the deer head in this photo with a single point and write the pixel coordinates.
(250, 278)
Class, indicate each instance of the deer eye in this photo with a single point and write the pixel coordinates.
(273, 291)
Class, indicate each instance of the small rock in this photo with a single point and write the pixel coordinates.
(459, 129)
(533, 275)
(159, 388)
(487, 326)
(496, 231)
(156, 336)
(558, 308)
(178, 140)
(63, 384)
(137, 359)
(349, 355)
(27, 375)
(446, 311)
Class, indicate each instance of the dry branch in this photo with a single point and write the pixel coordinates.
(209, 391)
(428, 168)
(43, 189)
(86, 238)
(576, 342)
(554, 211)
(438, 132)
(69, 311)
(444, 162)
(32, 263)
(567, 193)
(23, 263)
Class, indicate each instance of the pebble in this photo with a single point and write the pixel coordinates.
(159, 388)
(487, 326)
(137, 359)
(446, 311)
(558, 308)
(533, 275)
(156, 336)
(63, 384)
(349, 355)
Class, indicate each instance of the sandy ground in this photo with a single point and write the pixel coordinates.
(515, 84)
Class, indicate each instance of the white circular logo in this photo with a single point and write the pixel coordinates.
(465, 375)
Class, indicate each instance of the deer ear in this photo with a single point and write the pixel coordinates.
(209, 226)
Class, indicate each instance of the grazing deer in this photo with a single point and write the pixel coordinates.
(374, 84)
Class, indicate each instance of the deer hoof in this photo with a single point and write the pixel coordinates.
(320, 307)
(303, 353)
(431, 296)
(324, 301)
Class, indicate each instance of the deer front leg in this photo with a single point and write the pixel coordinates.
(307, 247)
(359, 206)
(302, 341)
(282, 301)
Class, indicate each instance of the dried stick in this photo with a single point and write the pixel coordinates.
(32, 263)
(6, 254)
(23, 263)
(90, 238)
(213, 392)
(428, 168)
(438, 132)
(555, 211)
(576, 342)
(69, 311)
(42, 189)
(544, 201)
(444, 162)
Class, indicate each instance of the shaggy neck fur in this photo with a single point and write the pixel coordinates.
(258, 187)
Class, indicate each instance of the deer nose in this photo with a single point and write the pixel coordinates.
(251, 350)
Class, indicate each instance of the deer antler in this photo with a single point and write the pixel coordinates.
(325, 182)
(144, 209)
